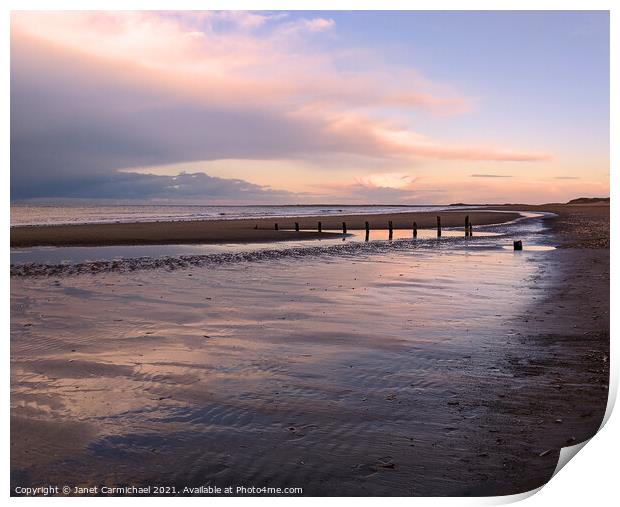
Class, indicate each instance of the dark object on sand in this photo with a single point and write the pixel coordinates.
(296, 226)
(391, 229)
(518, 245)
(467, 225)
(438, 227)
(471, 229)
(367, 230)
(344, 227)
(415, 229)
(319, 227)
(276, 227)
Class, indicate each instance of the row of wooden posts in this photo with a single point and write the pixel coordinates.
(469, 230)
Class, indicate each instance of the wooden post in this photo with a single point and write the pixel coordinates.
(367, 231)
(296, 226)
(415, 229)
(319, 227)
(276, 227)
(438, 227)
(467, 225)
(344, 227)
(391, 229)
(518, 245)
(471, 229)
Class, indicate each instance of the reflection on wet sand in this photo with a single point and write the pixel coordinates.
(346, 374)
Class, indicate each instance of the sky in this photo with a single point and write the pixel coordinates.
(412, 107)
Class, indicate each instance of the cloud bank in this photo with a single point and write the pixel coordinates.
(131, 186)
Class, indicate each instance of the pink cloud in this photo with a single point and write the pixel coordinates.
(310, 25)
(186, 57)
(236, 66)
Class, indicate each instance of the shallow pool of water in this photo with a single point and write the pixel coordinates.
(531, 248)
(58, 255)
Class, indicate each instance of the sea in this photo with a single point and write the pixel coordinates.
(29, 214)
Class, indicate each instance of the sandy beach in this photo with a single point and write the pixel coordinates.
(456, 369)
(217, 231)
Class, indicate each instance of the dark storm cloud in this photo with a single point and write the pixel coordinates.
(137, 186)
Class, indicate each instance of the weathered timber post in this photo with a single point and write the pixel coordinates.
(438, 227)
(367, 231)
(471, 229)
(319, 227)
(467, 225)
(518, 245)
(344, 227)
(415, 229)
(296, 226)
(276, 226)
(391, 229)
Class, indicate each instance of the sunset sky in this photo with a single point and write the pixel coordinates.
(307, 107)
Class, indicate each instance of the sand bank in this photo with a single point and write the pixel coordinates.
(228, 231)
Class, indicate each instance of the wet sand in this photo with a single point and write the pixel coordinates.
(559, 380)
(576, 225)
(555, 391)
(219, 231)
(448, 370)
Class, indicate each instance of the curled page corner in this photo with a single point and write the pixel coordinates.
(508, 499)
(518, 497)
(566, 454)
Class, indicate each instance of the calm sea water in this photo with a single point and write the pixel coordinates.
(22, 214)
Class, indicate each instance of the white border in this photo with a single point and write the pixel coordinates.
(588, 478)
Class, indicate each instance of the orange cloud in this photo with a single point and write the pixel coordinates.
(387, 180)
